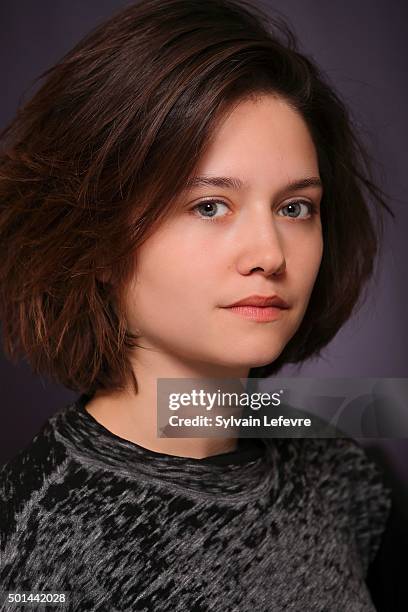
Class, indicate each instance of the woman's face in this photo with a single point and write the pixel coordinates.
(225, 244)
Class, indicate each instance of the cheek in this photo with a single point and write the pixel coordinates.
(170, 277)
(180, 258)
(304, 256)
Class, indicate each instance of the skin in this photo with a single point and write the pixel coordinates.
(191, 267)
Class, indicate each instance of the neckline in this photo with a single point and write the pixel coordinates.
(242, 473)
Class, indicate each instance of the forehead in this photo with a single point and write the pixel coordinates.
(262, 136)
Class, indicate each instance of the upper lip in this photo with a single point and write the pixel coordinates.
(261, 300)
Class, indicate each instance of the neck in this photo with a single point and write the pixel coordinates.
(134, 416)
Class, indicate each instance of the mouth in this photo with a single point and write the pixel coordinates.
(257, 313)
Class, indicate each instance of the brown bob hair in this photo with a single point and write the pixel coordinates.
(97, 158)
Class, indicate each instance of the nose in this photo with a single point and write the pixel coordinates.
(260, 245)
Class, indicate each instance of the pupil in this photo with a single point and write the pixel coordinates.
(292, 205)
(208, 207)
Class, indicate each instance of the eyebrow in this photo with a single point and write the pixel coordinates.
(229, 182)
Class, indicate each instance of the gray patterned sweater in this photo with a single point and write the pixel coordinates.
(277, 524)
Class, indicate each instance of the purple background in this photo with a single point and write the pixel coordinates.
(362, 48)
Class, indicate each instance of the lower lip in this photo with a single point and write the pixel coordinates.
(257, 313)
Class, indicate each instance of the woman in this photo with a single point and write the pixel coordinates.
(182, 158)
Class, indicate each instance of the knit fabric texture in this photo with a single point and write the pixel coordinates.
(288, 524)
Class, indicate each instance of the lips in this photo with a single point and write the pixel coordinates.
(261, 301)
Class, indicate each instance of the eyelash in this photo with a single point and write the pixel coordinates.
(312, 208)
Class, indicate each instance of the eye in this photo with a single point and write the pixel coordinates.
(295, 209)
(208, 209)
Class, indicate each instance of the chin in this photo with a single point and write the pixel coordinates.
(263, 358)
(257, 361)
(261, 364)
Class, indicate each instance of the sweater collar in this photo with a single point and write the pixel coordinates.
(242, 474)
